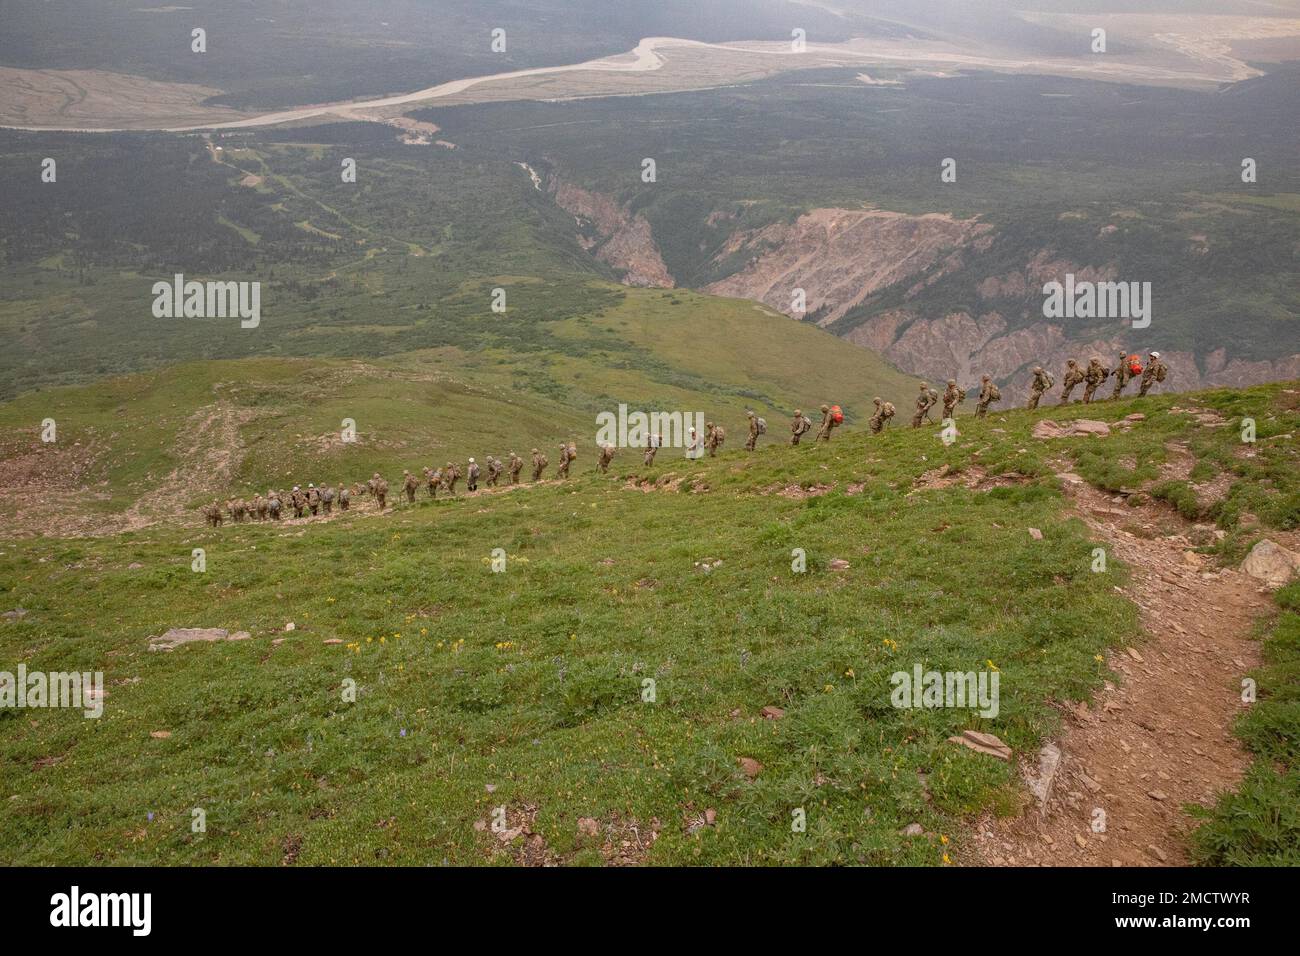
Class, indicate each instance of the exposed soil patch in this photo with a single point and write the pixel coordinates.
(973, 477)
(1160, 738)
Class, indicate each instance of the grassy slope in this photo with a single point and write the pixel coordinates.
(530, 680)
(654, 350)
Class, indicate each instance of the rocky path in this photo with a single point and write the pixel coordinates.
(1111, 790)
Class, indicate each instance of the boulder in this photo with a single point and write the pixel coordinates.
(188, 635)
(983, 743)
(1271, 563)
(1046, 428)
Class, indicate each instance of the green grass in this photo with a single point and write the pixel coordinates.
(1260, 824)
(656, 351)
(530, 681)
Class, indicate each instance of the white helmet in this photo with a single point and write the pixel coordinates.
(471, 461)
(1155, 355)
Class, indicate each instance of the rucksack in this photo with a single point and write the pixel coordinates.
(994, 394)
(1134, 365)
(1050, 381)
(837, 416)
(1160, 372)
(762, 426)
(887, 410)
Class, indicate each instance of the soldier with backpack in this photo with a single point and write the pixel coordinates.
(652, 443)
(1155, 371)
(273, 505)
(883, 413)
(714, 436)
(1129, 368)
(471, 475)
(953, 396)
(345, 498)
(380, 490)
(516, 466)
(988, 395)
(1042, 383)
(606, 456)
(450, 475)
(754, 431)
(409, 484)
(799, 427)
(568, 454)
(326, 498)
(832, 418)
(1095, 374)
(1073, 376)
(494, 471)
(540, 462)
(924, 402)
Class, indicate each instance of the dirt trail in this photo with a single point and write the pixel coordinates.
(1161, 738)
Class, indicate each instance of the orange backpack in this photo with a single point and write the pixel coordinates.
(837, 416)
(1135, 365)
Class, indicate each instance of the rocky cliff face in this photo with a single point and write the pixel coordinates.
(964, 347)
(841, 256)
(611, 235)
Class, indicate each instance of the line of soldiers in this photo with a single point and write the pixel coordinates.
(953, 396)
(320, 500)
(1091, 377)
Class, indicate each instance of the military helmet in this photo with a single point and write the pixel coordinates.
(952, 381)
(1038, 369)
(798, 411)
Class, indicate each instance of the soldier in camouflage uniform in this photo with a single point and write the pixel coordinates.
(472, 472)
(1122, 375)
(924, 402)
(540, 462)
(327, 498)
(651, 449)
(606, 456)
(562, 470)
(1073, 376)
(714, 436)
(273, 505)
(828, 424)
(344, 497)
(410, 484)
(258, 507)
(988, 395)
(752, 441)
(432, 479)
(381, 491)
(212, 514)
(1155, 371)
(1041, 383)
(493, 471)
(1093, 376)
(516, 466)
(953, 396)
(313, 499)
(450, 475)
(799, 427)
